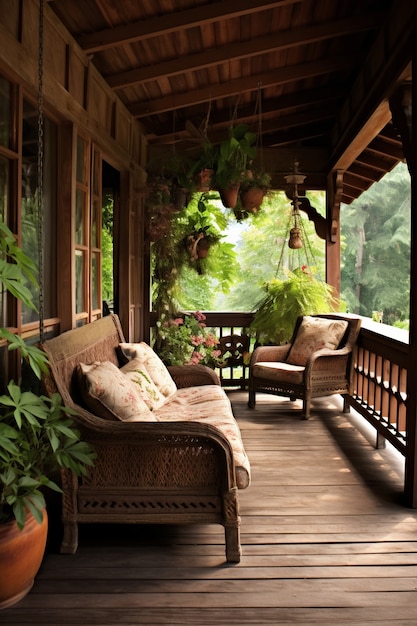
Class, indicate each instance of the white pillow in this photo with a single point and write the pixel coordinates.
(109, 394)
(153, 364)
(136, 371)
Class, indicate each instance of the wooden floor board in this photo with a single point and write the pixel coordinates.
(325, 536)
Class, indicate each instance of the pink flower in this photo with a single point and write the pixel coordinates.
(199, 316)
(197, 340)
(211, 341)
(178, 321)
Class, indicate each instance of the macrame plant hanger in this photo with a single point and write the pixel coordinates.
(40, 208)
(296, 239)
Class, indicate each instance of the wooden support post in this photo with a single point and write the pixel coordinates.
(410, 489)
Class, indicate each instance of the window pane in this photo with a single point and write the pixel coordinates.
(79, 218)
(79, 281)
(95, 266)
(5, 116)
(96, 224)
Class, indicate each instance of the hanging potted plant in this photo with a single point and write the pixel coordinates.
(299, 294)
(253, 190)
(233, 155)
(201, 230)
(37, 437)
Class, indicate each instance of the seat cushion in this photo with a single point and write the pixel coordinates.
(279, 372)
(109, 394)
(315, 333)
(153, 364)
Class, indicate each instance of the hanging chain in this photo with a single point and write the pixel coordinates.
(40, 172)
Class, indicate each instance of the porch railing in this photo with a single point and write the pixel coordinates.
(380, 382)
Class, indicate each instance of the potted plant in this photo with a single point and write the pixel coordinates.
(253, 190)
(185, 340)
(201, 230)
(233, 155)
(300, 294)
(37, 437)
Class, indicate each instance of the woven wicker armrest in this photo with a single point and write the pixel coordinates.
(270, 353)
(193, 375)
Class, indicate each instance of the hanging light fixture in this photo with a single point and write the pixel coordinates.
(294, 179)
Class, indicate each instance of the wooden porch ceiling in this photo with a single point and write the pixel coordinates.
(285, 67)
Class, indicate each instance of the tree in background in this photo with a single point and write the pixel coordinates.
(376, 250)
(259, 248)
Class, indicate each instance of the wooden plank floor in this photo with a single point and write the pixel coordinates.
(326, 540)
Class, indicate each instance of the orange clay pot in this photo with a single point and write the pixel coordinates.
(21, 554)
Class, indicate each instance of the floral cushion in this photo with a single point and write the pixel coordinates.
(216, 411)
(315, 333)
(149, 392)
(153, 364)
(109, 394)
(283, 372)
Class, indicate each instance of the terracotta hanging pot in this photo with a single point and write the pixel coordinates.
(252, 198)
(21, 554)
(204, 180)
(203, 247)
(229, 195)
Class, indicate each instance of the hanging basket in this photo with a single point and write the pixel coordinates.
(252, 199)
(203, 246)
(229, 195)
(204, 178)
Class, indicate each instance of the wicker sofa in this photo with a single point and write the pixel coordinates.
(180, 463)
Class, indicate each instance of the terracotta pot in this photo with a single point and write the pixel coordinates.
(21, 554)
(204, 180)
(253, 198)
(203, 247)
(229, 195)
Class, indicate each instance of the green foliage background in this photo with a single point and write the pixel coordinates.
(375, 274)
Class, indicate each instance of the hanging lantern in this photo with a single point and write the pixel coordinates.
(295, 241)
(296, 178)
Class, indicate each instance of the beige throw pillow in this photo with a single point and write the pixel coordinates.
(109, 394)
(153, 364)
(136, 371)
(315, 333)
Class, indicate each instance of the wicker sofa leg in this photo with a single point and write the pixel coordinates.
(346, 405)
(232, 538)
(69, 543)
(232, 526)
(252, 399)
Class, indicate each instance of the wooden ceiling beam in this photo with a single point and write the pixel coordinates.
(245, 49)
(282, 75)
(174, 22)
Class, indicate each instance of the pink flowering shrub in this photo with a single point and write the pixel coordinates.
(185, 340)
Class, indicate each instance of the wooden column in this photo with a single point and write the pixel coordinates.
(411, 152)
(333, 200)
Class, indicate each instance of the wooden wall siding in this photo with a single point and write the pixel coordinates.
(72, 85)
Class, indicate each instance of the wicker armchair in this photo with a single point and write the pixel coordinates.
(310, 365)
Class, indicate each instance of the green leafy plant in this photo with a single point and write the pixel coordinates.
(300, 294)
(37, 433)
(233, 156)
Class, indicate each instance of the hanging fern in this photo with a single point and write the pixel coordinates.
(300, 294)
